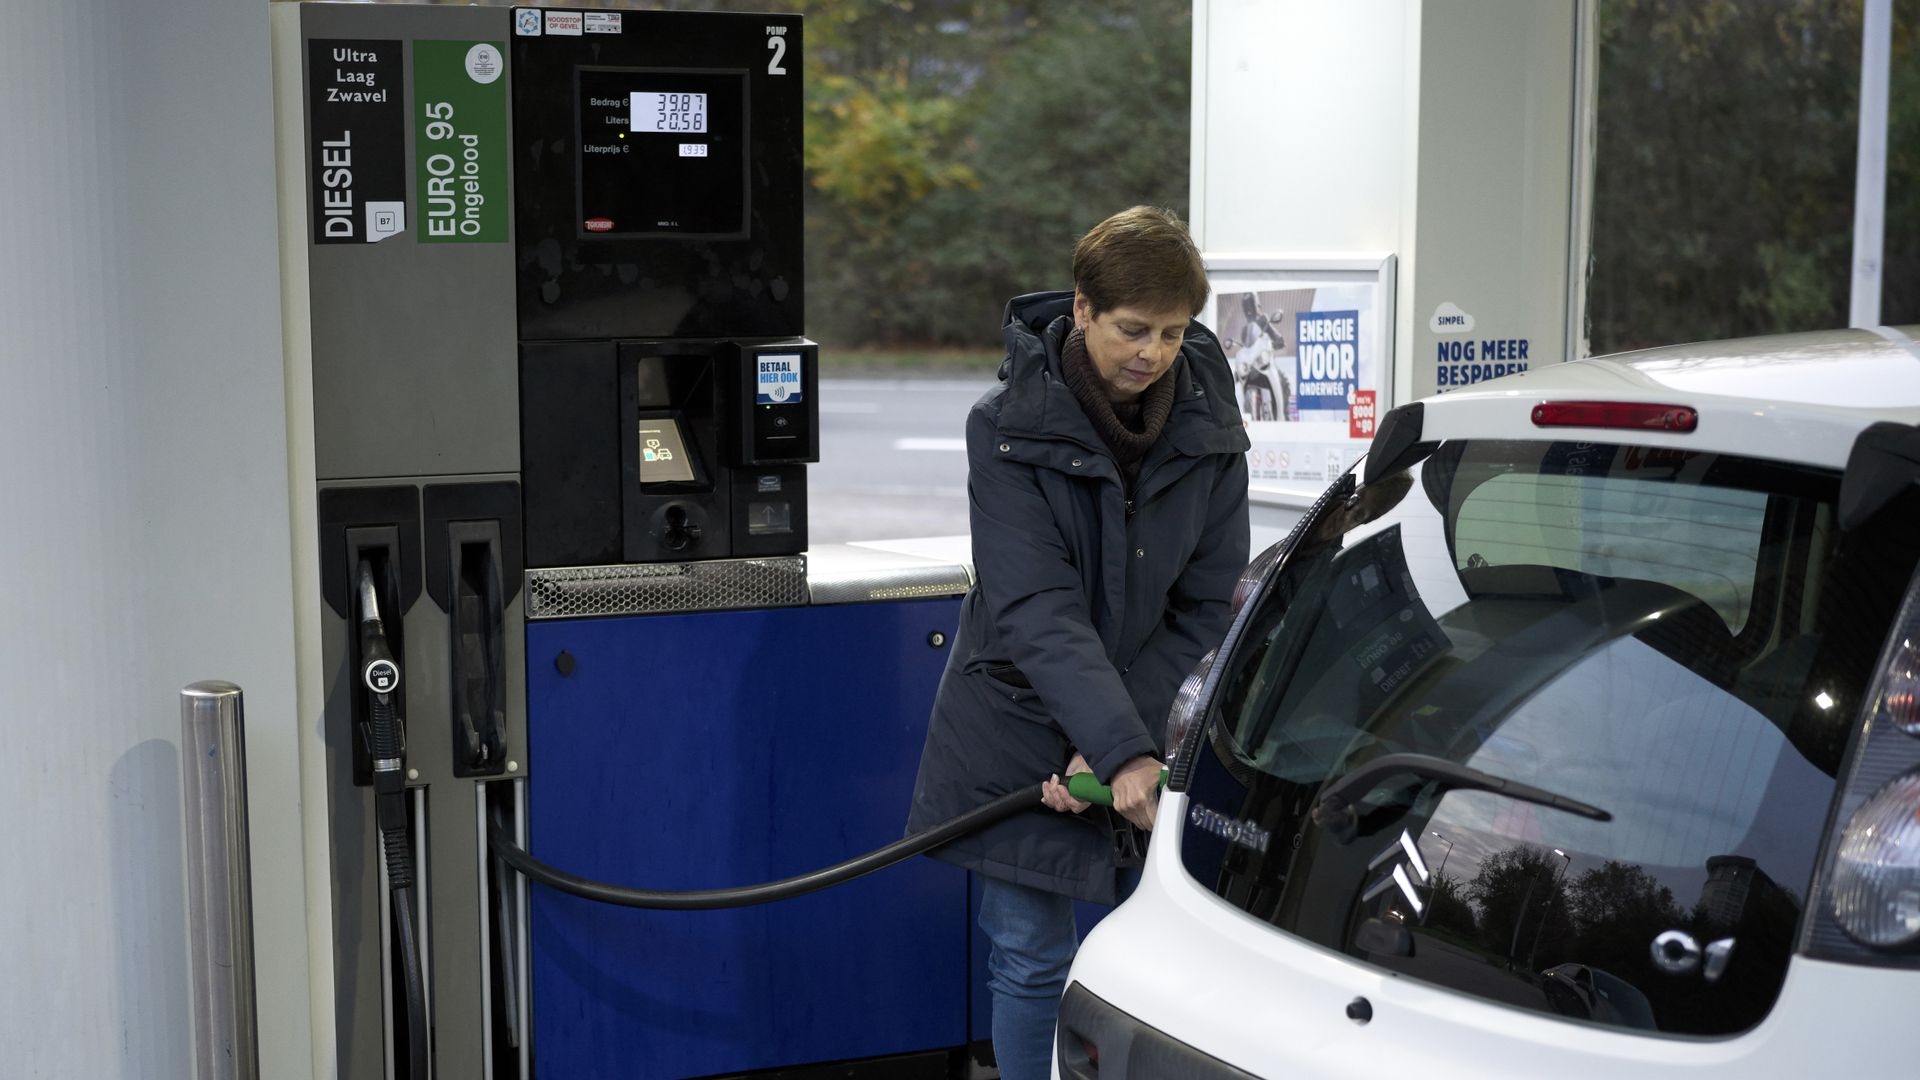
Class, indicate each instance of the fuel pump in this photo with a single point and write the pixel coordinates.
(403, 376)
(552, 410)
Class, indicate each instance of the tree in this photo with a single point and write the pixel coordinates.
(1618, 910)
(1519, 895)
(1724, 170)
(1450, 910)
(957, 148)
(1085, 118)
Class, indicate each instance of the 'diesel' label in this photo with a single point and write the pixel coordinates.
(356, 140)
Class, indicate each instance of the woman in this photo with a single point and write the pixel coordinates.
(1108, 482)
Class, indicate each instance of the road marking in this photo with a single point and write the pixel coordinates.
(930, 444)
(887, 491)
(912, 385)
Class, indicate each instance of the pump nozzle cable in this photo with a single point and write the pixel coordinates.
(980, 817)
(387, 746)
(406, 943)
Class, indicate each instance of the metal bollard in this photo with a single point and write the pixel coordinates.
(219, 883)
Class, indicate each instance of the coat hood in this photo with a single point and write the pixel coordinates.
(1036, 400)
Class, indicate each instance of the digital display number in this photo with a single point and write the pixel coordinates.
(679, 114)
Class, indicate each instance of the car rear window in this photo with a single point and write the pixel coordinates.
(1705, 541)
(1680, 640)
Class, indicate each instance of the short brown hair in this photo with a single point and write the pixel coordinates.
(1140, 257)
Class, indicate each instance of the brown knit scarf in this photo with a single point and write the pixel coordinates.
(1129, 428)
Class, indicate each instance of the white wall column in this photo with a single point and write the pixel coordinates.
(1453, 134)
(144, 542)
(1870, 165)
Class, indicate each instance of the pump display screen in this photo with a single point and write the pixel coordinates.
(669, 114)
(663, 453)
(662, 151)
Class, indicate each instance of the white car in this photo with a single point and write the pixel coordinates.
(1575, 733)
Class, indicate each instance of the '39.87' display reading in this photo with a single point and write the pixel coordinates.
(681, 114)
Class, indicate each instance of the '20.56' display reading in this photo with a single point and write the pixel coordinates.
(681, 114)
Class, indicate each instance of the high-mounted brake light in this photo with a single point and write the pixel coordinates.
(1631, 415)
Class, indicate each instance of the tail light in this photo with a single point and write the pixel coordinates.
(1255, 575)
(1190, 703)
(1629, 415)
(1188, 706)
(1872, 880)
(1876, 876)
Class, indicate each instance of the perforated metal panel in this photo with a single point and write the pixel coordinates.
(667, 588)
(904, 583)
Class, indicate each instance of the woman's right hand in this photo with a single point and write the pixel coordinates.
(1136, 790)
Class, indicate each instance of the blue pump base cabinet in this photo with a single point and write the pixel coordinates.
(730, 748)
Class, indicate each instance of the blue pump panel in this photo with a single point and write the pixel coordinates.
(730, 748)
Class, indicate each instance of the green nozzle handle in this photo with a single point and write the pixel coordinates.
(1087, 788)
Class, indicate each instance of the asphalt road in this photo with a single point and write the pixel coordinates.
(893, 460)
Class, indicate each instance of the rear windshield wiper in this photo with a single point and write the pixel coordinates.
(1335, 812)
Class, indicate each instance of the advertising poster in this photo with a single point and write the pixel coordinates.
(1307, 340)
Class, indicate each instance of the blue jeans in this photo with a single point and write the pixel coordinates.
(1034, 941)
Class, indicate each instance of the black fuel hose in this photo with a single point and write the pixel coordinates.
(408, 947)
(946, 832)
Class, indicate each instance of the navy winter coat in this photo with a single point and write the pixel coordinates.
(1102, 605)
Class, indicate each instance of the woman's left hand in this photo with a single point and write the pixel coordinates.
(1054, 792)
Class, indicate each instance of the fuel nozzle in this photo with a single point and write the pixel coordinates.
(378, 670)
(385, 737)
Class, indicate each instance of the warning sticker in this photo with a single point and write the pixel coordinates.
(356, 141)
(563, 24)
(779, 379)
